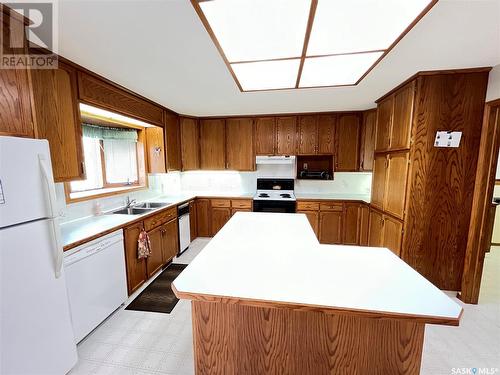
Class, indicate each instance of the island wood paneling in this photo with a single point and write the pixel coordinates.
(265, 135)
(240, 154)
(190, 150)
(95, 91)
(237, 339)
(212, 144)
(172, 142)
(442, 179)
(286, 135)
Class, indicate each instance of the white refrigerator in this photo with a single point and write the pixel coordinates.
(36, 336)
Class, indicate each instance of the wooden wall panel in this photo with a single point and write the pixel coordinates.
(442, 179)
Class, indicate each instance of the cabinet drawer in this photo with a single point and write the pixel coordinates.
(330, 206)
(311, 206)
(223, 203)
(160, 218)
(241, 203)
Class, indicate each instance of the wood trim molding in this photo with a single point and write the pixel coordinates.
(483, 192)
(310, 21)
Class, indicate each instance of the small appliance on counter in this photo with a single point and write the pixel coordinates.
(274, 195)
(314, 175)
(315, 167)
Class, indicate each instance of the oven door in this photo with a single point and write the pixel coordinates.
(274, 206)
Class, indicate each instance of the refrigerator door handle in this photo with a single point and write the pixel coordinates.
(54, 222)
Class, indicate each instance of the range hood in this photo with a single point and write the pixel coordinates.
(275, 159)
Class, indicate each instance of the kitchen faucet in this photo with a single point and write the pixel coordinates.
(129, 203)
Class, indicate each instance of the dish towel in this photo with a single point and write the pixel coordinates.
(143, 245)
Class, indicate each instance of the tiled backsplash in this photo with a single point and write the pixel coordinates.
(219, 182)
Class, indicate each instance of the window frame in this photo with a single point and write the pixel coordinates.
(110, 189)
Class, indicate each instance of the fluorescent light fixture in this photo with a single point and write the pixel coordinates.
(264, 42)
(278, 74)
(342, 26)
(102, 113)
(336, 70)
(258, 29)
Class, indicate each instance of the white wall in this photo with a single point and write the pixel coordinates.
(493, 91)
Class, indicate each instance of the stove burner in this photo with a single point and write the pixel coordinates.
(263, 195)
(285, 195)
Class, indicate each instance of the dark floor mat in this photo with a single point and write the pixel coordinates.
(158, 296)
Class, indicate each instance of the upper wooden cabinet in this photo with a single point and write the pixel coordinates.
(347, 143)
(155, 150)
(326, 131)
(212, 144)
(367, 146)
(308, 135)
(402, 117)
(190, 150)
(15, 104)
(58, 119)
(95, 91)
(286, 135)
(265, 135)
(394, 117)
(240, 154)
(390, 175)
(172, 142)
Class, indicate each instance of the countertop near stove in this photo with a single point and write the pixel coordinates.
(333, 196)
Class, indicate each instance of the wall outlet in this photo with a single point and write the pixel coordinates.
(447, 139)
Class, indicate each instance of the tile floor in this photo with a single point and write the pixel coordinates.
(132, 342)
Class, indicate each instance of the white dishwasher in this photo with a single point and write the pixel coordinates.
(96, 281)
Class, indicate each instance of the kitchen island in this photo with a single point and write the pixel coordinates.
(267, 298)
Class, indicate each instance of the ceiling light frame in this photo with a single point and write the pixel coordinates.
(303, 56)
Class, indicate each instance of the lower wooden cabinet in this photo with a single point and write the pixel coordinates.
(350, 223)
(385, 231)
(136, 268)
(170, 240)
(203, 217)
(219, 217)
(155, 260)
(330, 227)
(164, 239)
(364, 221)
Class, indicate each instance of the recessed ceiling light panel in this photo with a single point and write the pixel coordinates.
(284, 44)
(336, 70)
(360, 25)
(266, 75)
(249, 30)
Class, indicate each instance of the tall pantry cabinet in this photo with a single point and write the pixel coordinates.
(422, 194)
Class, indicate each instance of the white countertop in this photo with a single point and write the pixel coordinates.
(276, 258)
(79, 230)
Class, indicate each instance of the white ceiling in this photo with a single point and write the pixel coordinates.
(160, 49)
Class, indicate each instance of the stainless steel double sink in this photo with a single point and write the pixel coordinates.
(140, 208)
